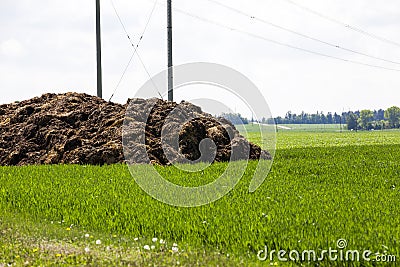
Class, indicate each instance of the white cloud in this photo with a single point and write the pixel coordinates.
(12, 48)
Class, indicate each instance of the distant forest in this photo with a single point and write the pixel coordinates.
(354, 120)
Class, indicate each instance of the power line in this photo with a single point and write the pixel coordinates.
(354, 28)
(135, 47)
(278, 42)
(300, 34)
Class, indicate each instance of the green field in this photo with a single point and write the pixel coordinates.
(323, 186)
(312, 127)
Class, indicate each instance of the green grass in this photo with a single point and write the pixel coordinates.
(322, 187)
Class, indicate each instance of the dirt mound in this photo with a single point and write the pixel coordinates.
(77, 128)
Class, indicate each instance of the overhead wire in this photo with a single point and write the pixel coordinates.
(354, 28)
(300, 34)
(135, 47)
(278, 42)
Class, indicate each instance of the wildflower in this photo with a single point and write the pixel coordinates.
(87, 250)
(98, 242)
(35, 250)
(162, 241)
(153, 247)
(174, 249)
(68, 229)
(154, 239)
(58, 255)
(174, 244)
(17, 257)
(204, 222)
(87, 235)
(146, 247)
(136, 239)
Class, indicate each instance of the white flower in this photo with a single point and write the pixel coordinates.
(146, 247)
(108, 248)
(154, 239)
(174, 244)
(87, 249)
(98, 242)
(87, 235)
(136, 239)
(153, 247)
(204, 222)
(162, 241)
(174, 249)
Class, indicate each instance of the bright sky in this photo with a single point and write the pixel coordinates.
(49, 46)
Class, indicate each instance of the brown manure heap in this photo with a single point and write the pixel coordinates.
(77, 128)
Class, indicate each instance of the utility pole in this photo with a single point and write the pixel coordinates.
(170, 70)
(98, 48)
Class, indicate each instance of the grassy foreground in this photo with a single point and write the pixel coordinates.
(322, 187)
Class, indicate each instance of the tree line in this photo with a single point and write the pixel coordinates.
(354, 120)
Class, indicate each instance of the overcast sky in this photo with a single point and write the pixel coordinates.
(49, 46)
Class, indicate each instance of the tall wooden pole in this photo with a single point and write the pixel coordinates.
(170, 70)
(98, 48)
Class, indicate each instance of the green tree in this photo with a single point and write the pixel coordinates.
(366, 117)
(393, 116)
(352, 121)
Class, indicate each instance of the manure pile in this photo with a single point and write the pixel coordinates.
(77, 128)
